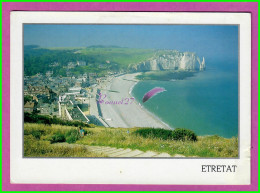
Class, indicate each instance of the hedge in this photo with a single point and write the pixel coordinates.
(176, 134)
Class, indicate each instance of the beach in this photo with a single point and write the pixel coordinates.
(119, 110)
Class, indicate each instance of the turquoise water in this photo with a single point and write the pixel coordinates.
(206, 103)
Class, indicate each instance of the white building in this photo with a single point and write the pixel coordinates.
(81, 63)
(71, 65)
(49, 73)
(75, 90)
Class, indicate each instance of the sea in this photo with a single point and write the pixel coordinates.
(206, 103)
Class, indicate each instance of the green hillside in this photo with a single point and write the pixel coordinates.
(41, 140)
(99, 59)
(121, 56)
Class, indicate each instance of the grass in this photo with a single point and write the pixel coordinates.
(176, 134)
(121, 56)
(37, 142)
(205, 146)
(36, 118)
(64, 48)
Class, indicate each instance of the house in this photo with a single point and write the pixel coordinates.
(34, 90)
(75, 90)
(46, 108)
(71, 64)
(35, 99)
(29, 107)
(81, 63)
(39, 90)
(54, 64)
(92, 74)
(49, 73)
(78, 84)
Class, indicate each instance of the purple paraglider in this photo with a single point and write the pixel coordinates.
(152, 93)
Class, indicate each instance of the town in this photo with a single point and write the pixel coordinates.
(69, 98)
(67, 83)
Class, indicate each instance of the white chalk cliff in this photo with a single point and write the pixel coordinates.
(172, 60)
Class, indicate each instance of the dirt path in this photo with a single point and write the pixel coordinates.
(119, 152)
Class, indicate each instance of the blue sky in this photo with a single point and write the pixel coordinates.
(206, 40)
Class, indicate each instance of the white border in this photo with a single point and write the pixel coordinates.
(127, 171)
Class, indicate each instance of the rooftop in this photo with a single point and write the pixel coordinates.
(29, 105)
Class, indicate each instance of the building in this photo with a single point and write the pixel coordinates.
(75, 90)
(78, 84)
(46, 108)
(72, 65)
(49, 73)
(36, 90)
(81, 63)
(35, 99)
(54, 64)
(39, 90)
(29, 107)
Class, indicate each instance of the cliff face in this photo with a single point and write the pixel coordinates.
(172, 60)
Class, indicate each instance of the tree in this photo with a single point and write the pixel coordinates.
(27, 98)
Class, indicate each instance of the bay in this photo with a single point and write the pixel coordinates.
(206, 103)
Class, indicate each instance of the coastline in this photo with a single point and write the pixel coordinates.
(126, 115)
(149, 112)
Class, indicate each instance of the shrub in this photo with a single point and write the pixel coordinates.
(91, 125)
(36, 133)
(58, 137)
(213, 137)
(34, 118)
(72, 136)
(27, 98)
(177, 134)
(87, 132)
(26, 132)
(184, 134)
(33, 146)
(39, 148)
(71, 139)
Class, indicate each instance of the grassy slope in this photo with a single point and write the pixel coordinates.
(121, 56)
(208, 146)
(38, 59)
(64, 48)
(42, 147)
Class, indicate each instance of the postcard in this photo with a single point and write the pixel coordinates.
(130, 98)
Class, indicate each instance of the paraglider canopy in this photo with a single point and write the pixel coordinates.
(152, 93)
